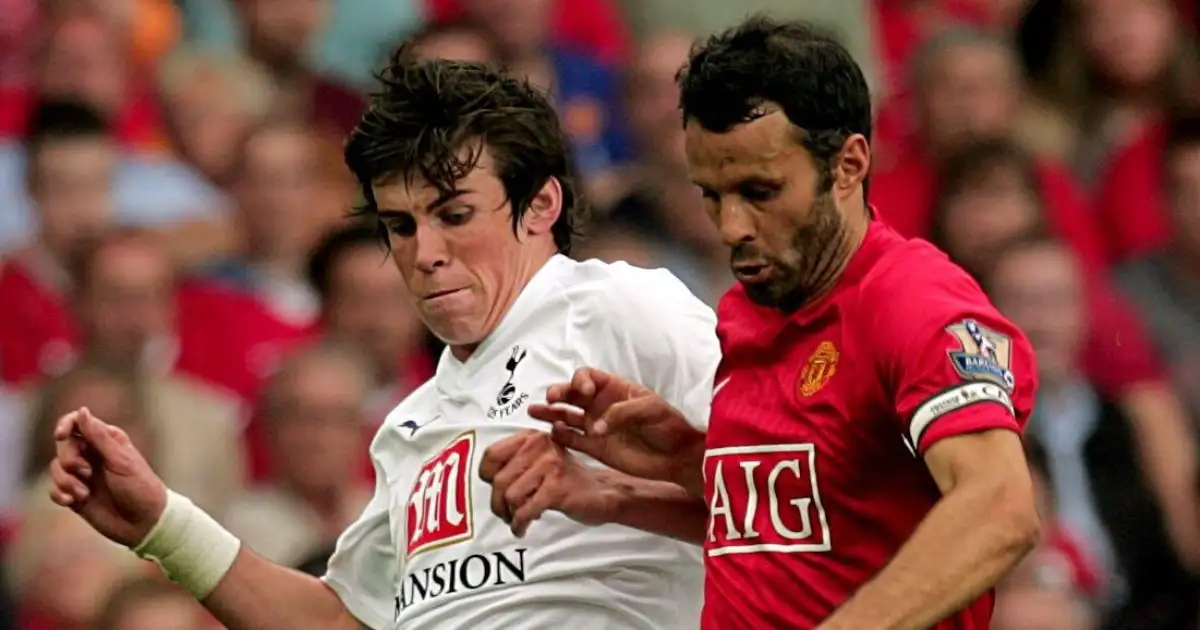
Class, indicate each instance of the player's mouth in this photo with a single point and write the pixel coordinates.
(751, 273)
(438, 296)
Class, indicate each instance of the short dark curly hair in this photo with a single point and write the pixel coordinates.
(426, 118)
(804, 70)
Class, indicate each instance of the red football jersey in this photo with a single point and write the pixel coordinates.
(813, 472)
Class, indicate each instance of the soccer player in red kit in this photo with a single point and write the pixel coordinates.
(863, 466)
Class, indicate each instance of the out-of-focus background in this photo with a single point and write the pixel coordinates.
(174, 254)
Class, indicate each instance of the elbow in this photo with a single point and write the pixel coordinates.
(1022, 526)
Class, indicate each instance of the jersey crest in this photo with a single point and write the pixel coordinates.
(509, 399)
(986, 355)
(821, 367)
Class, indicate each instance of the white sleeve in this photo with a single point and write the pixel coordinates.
(363, 566)
(648, 327)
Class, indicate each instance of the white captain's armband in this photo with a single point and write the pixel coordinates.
(954, 399)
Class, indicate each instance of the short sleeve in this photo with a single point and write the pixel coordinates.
(648, 327)
(362, 568)
(954, 365)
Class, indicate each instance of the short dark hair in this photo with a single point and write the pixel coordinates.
(803, 69)
(428, 112)
(332, 247)
(1035, 239)
(62, 120)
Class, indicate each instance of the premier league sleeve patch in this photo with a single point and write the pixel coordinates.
(984, 355)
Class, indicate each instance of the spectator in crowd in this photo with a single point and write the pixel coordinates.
(77, 188)
(458, 41)
(313, 411)
(279, 188)
(152, 604)
(1113, 475)
(364, 303)
(349, 47)
(1120, 66)
(124, 303)
(585, 91)
(83, 56)
(213, 102)
(663, 200)
(967, 86)
(1162, 284)
(593, 27)
(278, 35)
(61, 572)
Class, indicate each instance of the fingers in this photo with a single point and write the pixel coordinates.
(66, 489)
(544, 497)
(626, 415)
(499, 454)
(69, 448)
(512, 471)
(100, 436)
(556, 413)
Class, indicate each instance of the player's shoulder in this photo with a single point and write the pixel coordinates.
(912, 272)
(416, 407)
(622, 294)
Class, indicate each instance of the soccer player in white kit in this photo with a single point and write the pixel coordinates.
(467, 173)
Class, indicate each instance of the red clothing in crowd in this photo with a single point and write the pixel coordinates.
(224, 338)
(594, 27)
(1118, 353)
(138, 125)
(1130, 208)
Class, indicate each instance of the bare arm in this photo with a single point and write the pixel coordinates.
(1166, 449)
(983, 525)
(657, 507)
(259, 595)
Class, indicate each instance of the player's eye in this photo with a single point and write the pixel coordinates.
(403, 225)
(709, 194)
(458, 216)
(758, 192)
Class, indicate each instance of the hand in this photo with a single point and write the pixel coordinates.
(98, 473)
(530, 474)
(624, 425)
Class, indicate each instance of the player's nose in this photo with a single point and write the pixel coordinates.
(430, 250)
(735, 224)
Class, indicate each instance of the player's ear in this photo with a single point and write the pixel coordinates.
(851, 166)
(544, 208)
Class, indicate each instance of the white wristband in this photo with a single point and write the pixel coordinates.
(192, 548)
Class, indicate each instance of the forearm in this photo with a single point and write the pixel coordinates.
(966, 543)
(244, 590)
(658, 507)
(259, 595)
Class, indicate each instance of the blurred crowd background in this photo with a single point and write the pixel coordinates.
(174, 254)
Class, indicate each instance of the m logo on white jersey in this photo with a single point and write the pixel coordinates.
(439, 504)
(764, 499)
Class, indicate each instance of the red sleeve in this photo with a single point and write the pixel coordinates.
(953, 365)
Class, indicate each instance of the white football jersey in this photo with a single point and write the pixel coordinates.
(427, 553)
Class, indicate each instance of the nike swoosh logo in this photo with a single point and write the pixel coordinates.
(720, 386)
(413, 427)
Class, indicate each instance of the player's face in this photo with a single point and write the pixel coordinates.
(460, 258)
(762, 188)
(1040, 290)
